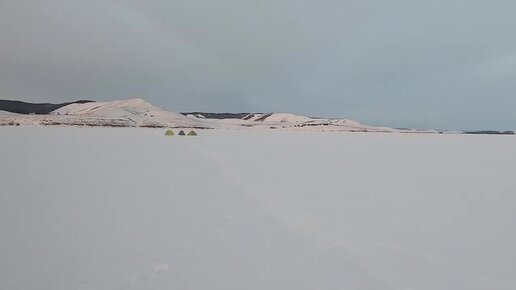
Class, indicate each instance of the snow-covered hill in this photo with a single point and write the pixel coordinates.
(139, 113)
(124, 113)
(286, 121)
(133, 112)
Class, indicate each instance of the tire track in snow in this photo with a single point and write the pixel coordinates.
(302, 223)
(296, 220)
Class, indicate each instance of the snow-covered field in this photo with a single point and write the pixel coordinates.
(104, 208)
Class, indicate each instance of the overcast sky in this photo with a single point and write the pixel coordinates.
(447, 64)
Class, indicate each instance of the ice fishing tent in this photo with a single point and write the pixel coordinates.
(192, 133)
(169, 132)
(182, 133)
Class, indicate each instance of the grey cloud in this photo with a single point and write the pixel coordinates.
(443, 63)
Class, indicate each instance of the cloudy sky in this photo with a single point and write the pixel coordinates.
(406, 63)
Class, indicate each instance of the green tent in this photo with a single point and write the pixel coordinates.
(182, 133)
(169, 132)
(192, 133)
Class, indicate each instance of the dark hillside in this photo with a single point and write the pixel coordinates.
(31, 108)
(219, 115)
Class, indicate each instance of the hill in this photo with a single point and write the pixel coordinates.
(20, 107)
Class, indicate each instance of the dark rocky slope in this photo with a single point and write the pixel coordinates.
(31, 108)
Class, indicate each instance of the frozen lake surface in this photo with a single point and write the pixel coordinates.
(100, 208)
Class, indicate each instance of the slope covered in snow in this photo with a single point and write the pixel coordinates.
(124, 113)
(98, 208)
(286, 121)
(136, 112)
(286, 118)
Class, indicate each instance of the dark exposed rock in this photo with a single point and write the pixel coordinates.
(490, 132)
(264, 117)
(32, 108)
(241, 116)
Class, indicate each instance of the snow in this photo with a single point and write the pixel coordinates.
(139, 112)
(292, 122)
(287, 118)
(128, 208)
(123, 113)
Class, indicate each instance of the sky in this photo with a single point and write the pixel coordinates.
(446, 64)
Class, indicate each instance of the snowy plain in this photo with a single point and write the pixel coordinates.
(128, 208)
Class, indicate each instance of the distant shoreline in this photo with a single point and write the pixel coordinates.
(138, 113)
